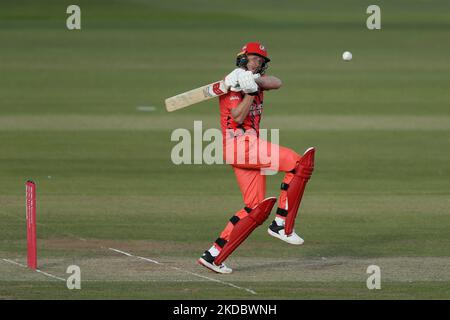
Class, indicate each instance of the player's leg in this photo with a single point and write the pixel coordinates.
(243, 227)
(298, 171)
(255, 212)
(209, 256)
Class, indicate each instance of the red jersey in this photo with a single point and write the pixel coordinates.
(231, 100)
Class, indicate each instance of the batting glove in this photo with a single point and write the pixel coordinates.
(247, 83)
(231, 80)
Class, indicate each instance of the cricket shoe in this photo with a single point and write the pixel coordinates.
(207, 260)
(278, 232)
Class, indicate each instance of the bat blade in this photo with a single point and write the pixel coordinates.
(197, 95)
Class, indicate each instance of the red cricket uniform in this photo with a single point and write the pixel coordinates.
(230, 101)
(252, 182)
(250, 156)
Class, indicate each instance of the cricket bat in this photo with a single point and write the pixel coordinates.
(191, 97)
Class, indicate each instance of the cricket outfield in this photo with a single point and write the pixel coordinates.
(82, 114)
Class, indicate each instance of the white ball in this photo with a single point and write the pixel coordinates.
(347, 56)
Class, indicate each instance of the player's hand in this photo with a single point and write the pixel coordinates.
(231, 80)
(247, 82)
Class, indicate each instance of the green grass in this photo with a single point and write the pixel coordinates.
(319, 290)
(68, 120)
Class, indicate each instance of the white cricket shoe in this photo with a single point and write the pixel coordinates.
(278, 232)
(208, 261)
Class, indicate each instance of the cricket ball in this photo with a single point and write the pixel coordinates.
(347, 56)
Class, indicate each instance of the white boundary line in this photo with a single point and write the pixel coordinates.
(50, 275)
(189, 272)
(13, 262)
(37, 270)
(141, 258)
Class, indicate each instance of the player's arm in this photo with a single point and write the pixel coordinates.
(268, 82)
(248, 85)
(240, 112)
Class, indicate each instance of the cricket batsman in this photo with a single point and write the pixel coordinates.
(240, 115)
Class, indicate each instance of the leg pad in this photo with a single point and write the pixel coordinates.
(245, 226)
(303, 172)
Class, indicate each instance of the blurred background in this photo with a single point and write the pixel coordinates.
(82, 113)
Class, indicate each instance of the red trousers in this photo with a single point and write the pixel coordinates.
(250, 174)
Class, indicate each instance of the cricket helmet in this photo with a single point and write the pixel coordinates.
(252, 48)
